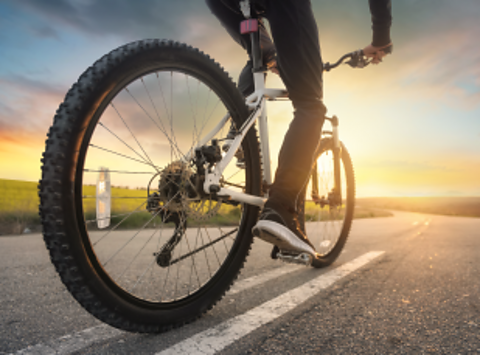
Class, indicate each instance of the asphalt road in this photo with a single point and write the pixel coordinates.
(419, 294)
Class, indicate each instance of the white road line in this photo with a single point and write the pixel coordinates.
(77, 341)
(253, 281)
(74, 342)
(80, 340)
(217, 338)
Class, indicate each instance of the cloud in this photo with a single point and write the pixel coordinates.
(434, 60)
(440, 67)
(45, 32)
(27, 105)
(124, 18)
(441, 60)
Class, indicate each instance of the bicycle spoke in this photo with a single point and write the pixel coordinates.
(330, 223)
(206, 256)
(119, 223)
(205, 121)
(125, 143)
(157, 113)
(168, 112)
(114, 216)
(193, 267)
(117, 171)
(115, 197)
(138, 219)
(178, 274)
(205, 246)
(194, 115)
(138, 232)
(213, 247)
(172, 143)
(124, 156)
(136, 256)
(199, 253)
(150, 267)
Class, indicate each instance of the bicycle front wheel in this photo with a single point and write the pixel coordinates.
(327, 220)
(130, 230)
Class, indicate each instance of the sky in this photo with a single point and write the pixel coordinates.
(411, 124)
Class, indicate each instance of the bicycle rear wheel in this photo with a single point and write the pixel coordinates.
(167, 251)
(328, 222)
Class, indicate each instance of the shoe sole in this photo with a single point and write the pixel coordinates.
(282, 237)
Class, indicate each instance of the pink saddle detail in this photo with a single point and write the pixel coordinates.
(249, 26)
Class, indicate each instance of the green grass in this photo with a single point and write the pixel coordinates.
(226, 216)
(123, 199)
(18, 196)
(19, 208)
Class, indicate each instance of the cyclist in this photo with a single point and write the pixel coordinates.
(295, 54)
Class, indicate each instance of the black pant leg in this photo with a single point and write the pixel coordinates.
(298, 53)
(295, 35)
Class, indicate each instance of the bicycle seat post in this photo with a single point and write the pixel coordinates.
(250, 26)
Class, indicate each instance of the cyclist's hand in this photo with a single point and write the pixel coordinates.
(376, 53)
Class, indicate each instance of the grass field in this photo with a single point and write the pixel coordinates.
(19, 207)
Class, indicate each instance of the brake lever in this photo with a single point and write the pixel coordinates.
(358, 60)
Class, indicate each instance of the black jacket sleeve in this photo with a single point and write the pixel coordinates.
(381, 11)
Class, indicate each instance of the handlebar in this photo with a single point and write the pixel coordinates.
(357, 59)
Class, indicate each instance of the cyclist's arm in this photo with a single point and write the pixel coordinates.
(381, 11)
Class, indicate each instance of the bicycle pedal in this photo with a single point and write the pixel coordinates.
(302, 259)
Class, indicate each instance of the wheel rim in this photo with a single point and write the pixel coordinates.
(326, 223)
(148, 127)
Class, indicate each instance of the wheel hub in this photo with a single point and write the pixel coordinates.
(180, 191)
(174, 184)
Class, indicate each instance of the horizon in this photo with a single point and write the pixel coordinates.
(356, 197)
(410, 124)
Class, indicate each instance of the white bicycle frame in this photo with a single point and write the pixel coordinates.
(256, 102)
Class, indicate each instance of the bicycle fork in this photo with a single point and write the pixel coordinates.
(334, 197)
(337, 151)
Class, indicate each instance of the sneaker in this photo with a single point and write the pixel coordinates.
(279, 226)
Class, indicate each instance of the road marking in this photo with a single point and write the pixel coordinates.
(79, 340)
(217, 338)
(74, 342)
(253, 281)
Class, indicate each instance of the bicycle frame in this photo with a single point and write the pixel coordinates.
(257, 103)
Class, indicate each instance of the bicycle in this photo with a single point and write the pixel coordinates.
(171, 244)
